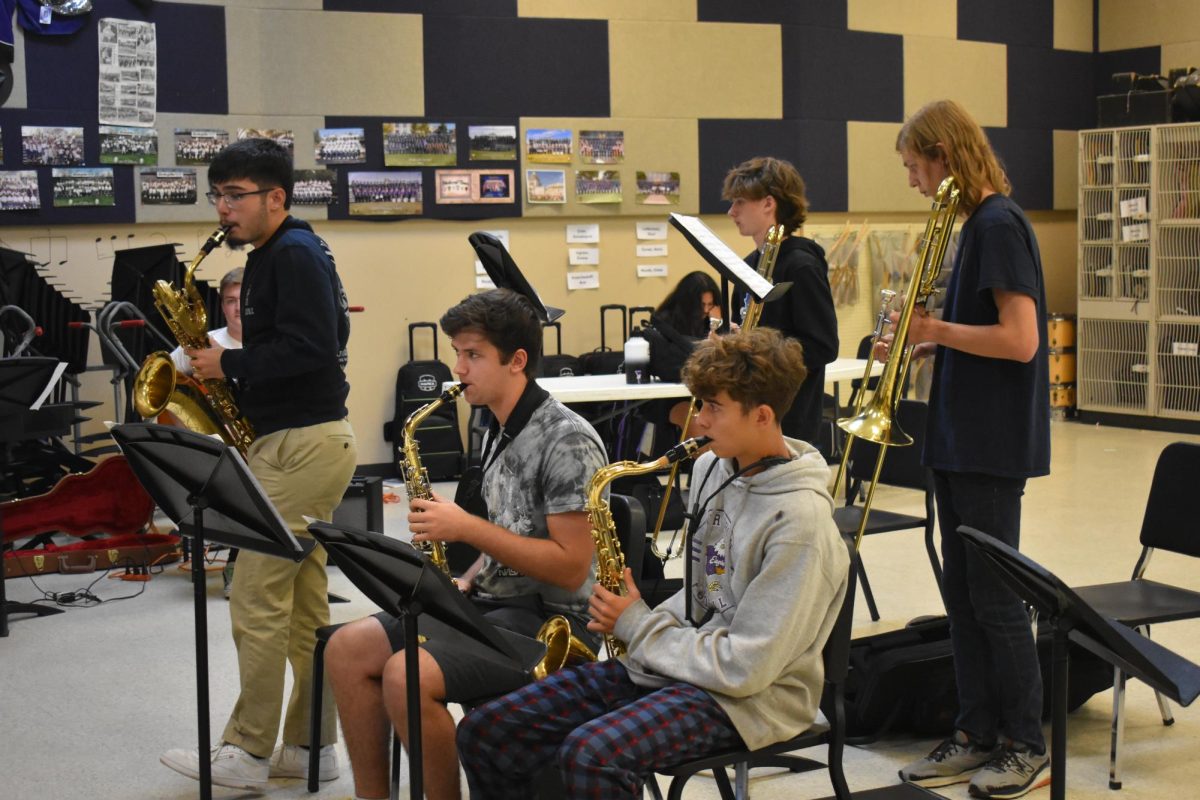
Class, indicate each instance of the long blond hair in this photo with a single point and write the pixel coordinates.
(944, 129)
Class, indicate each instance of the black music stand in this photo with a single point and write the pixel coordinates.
(207, 490)
(401, 581)
(505, 273)
(1076, 621)
(22, 383)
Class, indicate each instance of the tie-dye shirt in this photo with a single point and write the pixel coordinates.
(545, 470)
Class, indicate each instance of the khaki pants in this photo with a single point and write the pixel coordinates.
(276, 605)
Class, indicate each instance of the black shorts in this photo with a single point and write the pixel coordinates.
(472, 671)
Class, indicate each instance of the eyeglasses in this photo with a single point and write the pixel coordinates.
(233, 198)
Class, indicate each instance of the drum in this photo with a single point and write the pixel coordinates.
(1062, 367)
(1062, 395)
(1060, 330)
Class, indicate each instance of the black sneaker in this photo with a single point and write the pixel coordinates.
(1014, 772)
(952, 761)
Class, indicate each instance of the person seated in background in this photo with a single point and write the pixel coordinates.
(685, 314)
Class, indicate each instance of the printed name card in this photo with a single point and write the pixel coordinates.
(652, 270)
(583, 234)
(652, 251)
(484, 282)
(652, 230)
(583, 256)
(583, 280)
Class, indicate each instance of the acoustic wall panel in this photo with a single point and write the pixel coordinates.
(1142, 60)
(1024, 22)
(973, 73)
(817, 148)
(1184, 54)
(496, 67)
(840, 74)
(1073, 25)
(62, 71)
(877, 178)
(695, 69)
(938, 18)
(1125, 25)
(684, 10)
(1028, 158)
(1064, 98)
(274, 69)
(453, 8)
(1066, 171)
(821, 13)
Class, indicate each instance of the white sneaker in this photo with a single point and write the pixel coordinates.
(231, 766)
(291, 761)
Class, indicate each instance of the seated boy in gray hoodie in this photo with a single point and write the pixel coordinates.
(734, 658)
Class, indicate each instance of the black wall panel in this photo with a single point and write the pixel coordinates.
(817, 148)
(839, 74)
(1028, 158)
(63, 71)
(1027, 22)
(470, 8)
(822, 13)
(521, 67)
(1142, 60)
(1050, 89)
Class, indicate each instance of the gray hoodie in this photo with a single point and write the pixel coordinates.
(768, 561)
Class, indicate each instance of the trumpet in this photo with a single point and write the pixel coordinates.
(877, 421)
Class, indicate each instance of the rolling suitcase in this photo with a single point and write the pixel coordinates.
(604, 360)
(557, 365)
(417, 383)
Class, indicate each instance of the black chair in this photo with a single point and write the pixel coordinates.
(630, 522)
(902, 468)
(1169, 524)
(837, 664)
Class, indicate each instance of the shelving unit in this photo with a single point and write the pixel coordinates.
(1139, 272)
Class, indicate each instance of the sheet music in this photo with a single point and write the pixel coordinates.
(58, 371)
(720, 255)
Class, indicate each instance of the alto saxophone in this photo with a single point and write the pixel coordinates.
(157, 387)
(416, 477)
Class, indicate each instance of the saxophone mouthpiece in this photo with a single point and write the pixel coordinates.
(686, 449)
(216, 239)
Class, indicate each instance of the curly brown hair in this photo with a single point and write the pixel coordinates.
(755, 367)
(766, 176)
(943, 128)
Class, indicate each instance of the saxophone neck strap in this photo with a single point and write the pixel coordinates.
(498, 438)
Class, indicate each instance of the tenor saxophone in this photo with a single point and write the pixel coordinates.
(416, 477)
(205, 405)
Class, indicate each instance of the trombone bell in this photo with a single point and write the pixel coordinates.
(877, 424)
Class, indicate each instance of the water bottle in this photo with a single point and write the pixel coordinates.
(637, 360)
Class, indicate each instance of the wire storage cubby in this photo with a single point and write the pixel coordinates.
(1139, 271)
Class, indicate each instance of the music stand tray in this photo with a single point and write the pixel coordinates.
(207, 490)
(1076, 621)
(402, 582)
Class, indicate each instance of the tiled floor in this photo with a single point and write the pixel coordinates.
(89, 698)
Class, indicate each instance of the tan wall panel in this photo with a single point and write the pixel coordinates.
(1124, 24)
(273, 69)
(973, 73)
(1073, 25)
(651, 145)
(699, 69)
(1066, 170)
(1183, 54)
(684, 10)
(1058, 242)
(909, 17)
(20, 95)
(877, 180)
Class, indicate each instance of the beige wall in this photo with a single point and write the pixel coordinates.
(413, 271)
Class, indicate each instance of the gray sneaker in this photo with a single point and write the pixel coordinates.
(952, 761)
(1012, 773)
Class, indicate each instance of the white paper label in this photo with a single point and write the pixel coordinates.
(583, 256)
(583, 234)
(652, 251)
(1185, 348)
(1135, 233)
(479, 270)
(652, 230)
(484, 282)
(45, 15)
(652, 270)
(583, 280)
(502, 236)
(1133, 207)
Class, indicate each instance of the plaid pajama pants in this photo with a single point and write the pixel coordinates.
(606, 734)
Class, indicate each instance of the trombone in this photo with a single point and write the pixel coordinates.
(750, 319)
(877, 421)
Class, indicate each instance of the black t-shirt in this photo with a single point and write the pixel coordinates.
(991, 415)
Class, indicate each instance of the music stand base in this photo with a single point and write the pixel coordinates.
(12, 608)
